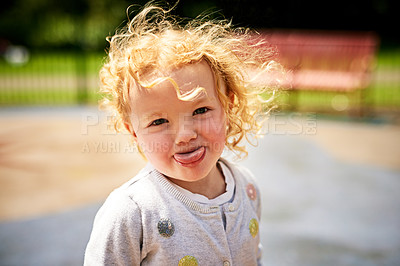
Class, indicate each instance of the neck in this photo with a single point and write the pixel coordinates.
(210, 186)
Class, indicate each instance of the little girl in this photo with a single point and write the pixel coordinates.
(184, 93)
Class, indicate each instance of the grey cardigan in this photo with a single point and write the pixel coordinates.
(147, 221)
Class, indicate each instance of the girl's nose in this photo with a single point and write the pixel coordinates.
(186, 132)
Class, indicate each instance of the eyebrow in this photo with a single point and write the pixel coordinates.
(197, 100)
(152, 116)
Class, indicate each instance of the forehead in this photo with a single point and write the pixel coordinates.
(194, 75)
(187, 78)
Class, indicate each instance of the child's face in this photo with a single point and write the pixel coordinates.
(181, 139)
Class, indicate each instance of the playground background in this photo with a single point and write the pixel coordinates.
(329, 186)
(328, 165)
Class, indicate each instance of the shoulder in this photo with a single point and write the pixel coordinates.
(239, 171)
(243, 178)
(246, 183)
(125, 201)
(143, 198)
(142, 188)
(117, 232)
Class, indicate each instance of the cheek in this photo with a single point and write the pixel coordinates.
(215, 129)
(154, 145)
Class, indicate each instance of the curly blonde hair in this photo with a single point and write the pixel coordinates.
(155, 39)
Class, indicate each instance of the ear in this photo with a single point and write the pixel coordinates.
(128, 126)
(231, 97)
(225, 90)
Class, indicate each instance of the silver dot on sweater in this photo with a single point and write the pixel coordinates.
(165, 227)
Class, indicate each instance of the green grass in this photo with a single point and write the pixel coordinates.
(43, 68)
(43, 64)
(385, 93)
(388, 59)
(48, 97)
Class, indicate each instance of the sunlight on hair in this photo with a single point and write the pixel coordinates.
(188, 96)
(156, 40)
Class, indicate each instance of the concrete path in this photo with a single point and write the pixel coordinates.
(317, 210)
(47, 241)
(320, 211)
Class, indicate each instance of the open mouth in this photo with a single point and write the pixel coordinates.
(190, 157)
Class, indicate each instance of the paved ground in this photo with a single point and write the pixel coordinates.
(319, 210)
(329, 188)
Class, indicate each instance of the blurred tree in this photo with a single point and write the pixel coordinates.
(85, 23)
(367, 15)
(312, 14)
(61, 24)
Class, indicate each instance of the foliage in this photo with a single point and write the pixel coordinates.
(42, 24)
(84, 24)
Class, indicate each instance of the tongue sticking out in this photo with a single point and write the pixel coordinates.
(189, 157)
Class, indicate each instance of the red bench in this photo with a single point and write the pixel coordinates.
(324, 60)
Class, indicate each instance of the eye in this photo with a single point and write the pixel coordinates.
(158, 122)
(201, 110)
